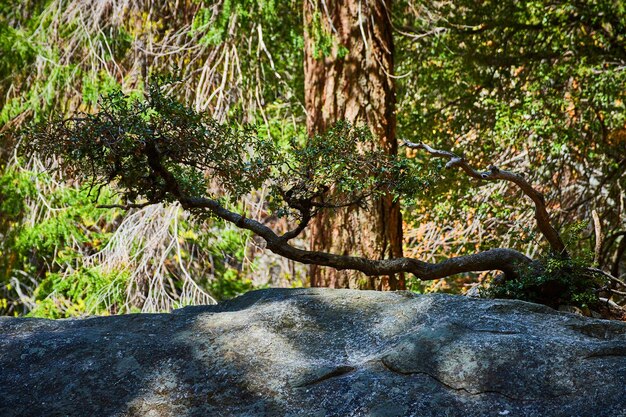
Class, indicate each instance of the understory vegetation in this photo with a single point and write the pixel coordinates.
(89, 223)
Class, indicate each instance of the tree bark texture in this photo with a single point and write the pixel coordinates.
(351, 81)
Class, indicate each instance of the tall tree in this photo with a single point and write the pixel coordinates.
(348, 66)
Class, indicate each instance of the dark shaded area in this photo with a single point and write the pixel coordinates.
(309, 352)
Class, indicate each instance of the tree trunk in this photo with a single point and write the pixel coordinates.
(348, 62)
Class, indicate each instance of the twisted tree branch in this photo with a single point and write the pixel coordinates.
(508, 261)
(125, 206)
(304, 222)
(493, 173)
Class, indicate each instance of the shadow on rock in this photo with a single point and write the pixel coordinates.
(318, 352)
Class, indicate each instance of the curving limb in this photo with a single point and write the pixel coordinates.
(304, 222)
(508, 261)
(493, 173)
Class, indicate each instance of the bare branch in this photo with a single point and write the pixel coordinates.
(306, 207)
(611, 303)
(493, 173)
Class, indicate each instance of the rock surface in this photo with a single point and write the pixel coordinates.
(318, 352)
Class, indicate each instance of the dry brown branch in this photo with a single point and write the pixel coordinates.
(124, 206)
(144, 244)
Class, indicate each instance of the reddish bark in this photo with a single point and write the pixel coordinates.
(358, 88)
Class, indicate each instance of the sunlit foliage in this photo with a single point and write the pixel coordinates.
(533, 86)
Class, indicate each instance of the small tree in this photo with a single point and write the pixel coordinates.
(159, 150)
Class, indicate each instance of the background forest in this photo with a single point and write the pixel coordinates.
(536, 87)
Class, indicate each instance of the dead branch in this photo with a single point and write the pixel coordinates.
(493, 173)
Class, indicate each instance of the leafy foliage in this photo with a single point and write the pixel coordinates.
(559, 282)
(111, 144)
(132, 141)
(63, 227)
(79, 293)
(58, 56)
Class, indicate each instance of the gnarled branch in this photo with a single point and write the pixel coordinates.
(508, 261)
(304, 222)
(493, 173)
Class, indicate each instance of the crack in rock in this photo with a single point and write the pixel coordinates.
(392, 368)
(335, 373)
